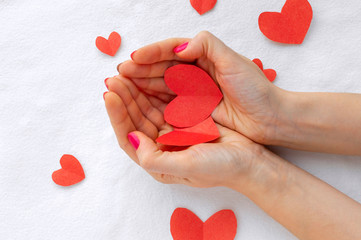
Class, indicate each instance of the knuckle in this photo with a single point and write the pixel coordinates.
(147, 163)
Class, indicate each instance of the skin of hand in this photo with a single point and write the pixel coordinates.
(306, 206)
(252, 105)
(228, 160)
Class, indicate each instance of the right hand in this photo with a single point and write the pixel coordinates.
(251, 103)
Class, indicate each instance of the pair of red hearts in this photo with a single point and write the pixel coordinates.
(190, 111)
(185, 225)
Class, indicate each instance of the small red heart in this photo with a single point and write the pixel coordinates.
(198, 95)
(291, 25)
(109, 46)
(71, 172)
(185, 225)
(205, 131)
(203, 6)
(270, 73)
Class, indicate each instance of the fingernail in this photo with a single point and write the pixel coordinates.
(180, 47)
(118, 66)
(104, 95)
(105, 82)
(134, 140)
(131, 55)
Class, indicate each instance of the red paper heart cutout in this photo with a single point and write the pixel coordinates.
(198, 95)
(185, 225)
(205, 131)
(71, 171)
(203, 6)
(109, 46)
(291, 25)
(270, 73)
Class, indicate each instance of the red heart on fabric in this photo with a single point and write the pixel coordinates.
(203, 6)
(205, 131)
(71, 171)
(291, 25)
(109, 46)
(270, 73)
(185, 225)
(198, 95)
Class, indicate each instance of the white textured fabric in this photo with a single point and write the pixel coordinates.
(51, 86)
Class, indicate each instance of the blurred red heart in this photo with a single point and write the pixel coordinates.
(71, 171)
(203, 6)
(270, 73)
(198, 95)
(185, 225)
(109, 46)
(291, 25)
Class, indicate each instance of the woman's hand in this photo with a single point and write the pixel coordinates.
(251, 103)
(229, 161)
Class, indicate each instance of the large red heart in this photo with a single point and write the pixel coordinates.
(185, 225)
(270, 73)
(203, 6)
(205, 131)
(291, 25)
(198, 95)
(109, 46)
(71, 171)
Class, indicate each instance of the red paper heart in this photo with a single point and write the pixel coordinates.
(270, 73)
(71, 172)
(109, 46)
(291, 25)
(203, 6)
(205, 131)
(185, 225)
(198, 95)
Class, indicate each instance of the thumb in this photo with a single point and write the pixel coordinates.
(154, 160)
(206, 45)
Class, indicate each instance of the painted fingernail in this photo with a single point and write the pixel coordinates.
(134, 140)
(105, 82)
(131, 55)
(104, 95)
(180, 47)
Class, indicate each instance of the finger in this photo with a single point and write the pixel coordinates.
(140, 122)
(159, 104)
(121, 122)
(149, 111)
(207, 45)
(153, 84)
(162, 96)
(158, 52)
(133, 70)
(152, 159)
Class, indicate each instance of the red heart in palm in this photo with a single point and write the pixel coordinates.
(291, 25)
(185, 225)
(109, 46)
(270, 73)
(198, 95)
(71, 171)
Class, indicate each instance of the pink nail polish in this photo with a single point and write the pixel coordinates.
(131, 55)
(105, 82)
(180, 47)
(104, 95)
(134, 140)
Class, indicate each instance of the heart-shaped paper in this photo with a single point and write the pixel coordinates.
(203, 6)
(270, 73)
(71, 171)
(291, 25)
(109, 46)
(205, 131)
(198, 95)
(185, 225)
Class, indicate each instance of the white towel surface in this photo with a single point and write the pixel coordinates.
(51, 86)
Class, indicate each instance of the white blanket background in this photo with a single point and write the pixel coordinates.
(51, 86)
